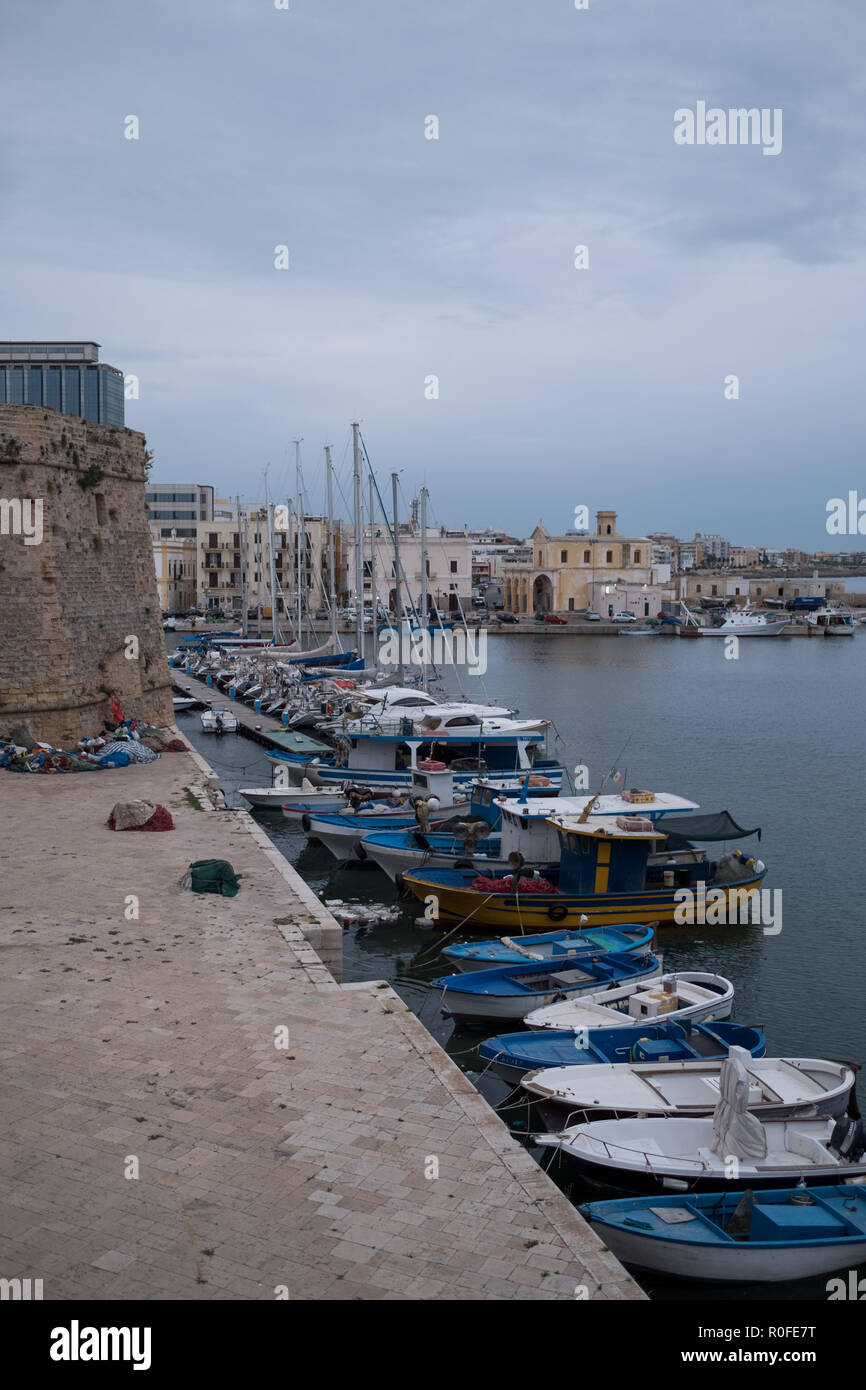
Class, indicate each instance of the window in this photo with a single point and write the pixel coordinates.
(609, 555)
(697, 588)
(637, 557)
(587, 557)
(101, 516)
(608, 530)
(714, 589)
(453, 566)
(563, 557)
(212, 580)
(213, 541)
(571, 605)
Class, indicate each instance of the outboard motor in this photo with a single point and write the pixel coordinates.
(219, 725)
(848, 1139)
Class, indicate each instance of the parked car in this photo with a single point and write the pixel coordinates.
(555, 618)
(505, 618)
(592, 617)
(623, 617)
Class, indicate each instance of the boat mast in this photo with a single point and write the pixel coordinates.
(359, 541)
(397, 581)
(299, 528)
(374, 598)
(276, 634)
(332, 596)
(425, 621)
(242, 547)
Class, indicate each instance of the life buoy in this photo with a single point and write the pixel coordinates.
(431, 765)
(557, 911)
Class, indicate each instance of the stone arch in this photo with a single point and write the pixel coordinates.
(542, 594)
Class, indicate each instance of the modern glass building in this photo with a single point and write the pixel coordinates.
(68, 377)
(174, 509)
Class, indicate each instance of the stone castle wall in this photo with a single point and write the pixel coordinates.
(69, 604)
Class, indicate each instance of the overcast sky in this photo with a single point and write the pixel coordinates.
(412, 257)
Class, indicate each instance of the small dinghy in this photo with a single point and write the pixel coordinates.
(554, 945)
(512, 1055)
(731, 1148)
(510, 991)
(782, 1234)
(778, 1087)
(689, 994)
(219, 720)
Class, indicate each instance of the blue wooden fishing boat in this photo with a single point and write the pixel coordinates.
(772, 1236)
(612, 869)
(512, 1055)
(510, 991)
(522, 826)
(547, 946)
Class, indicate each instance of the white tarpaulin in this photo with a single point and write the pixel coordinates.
(736, 1133)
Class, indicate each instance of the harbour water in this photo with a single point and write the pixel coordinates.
(776, 737)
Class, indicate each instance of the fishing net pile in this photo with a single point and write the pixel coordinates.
(139, 815)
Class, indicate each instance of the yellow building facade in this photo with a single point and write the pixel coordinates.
(564, 570)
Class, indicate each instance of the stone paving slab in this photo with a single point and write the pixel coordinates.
(146, 1045)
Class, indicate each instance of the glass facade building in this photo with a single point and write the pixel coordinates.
(68, 377)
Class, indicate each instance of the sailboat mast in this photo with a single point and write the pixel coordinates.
(242, 547)
(332, 595)
(299, 529)
(397, 580)
(425, 621)
(374, 597)
(359, 541)
(272, 567)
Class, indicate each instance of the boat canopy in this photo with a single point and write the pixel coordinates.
(720, 826)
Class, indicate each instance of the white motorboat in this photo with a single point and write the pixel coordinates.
(690, 994)
(778, 1087)
(731, 1148)
(744, 623)
(183, 701)
(831, 622)
(219, 720)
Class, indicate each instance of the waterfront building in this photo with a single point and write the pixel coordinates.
(66, 377)
(174, 559)
(745, 557)
(564, 570)
(716, 550)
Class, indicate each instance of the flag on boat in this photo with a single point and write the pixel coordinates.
(615, 775)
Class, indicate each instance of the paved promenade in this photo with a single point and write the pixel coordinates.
(156, 1142)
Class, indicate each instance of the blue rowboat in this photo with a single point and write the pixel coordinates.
(547, 946)
(512, 1055)
(780, 1234)
(510, 991)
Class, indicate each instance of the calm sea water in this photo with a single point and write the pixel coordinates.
(777, 737)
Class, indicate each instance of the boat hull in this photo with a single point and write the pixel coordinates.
(738, 1263)
(507, 915)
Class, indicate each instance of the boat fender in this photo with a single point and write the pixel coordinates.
(306, 822)
(360, 852)
(557, 911)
